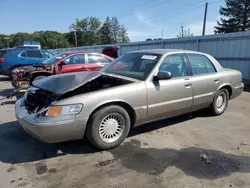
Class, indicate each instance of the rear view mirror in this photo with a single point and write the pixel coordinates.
(163, 75)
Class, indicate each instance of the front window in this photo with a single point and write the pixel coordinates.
(75, 59)
(175, 64)
(54, 59)
(134, 65)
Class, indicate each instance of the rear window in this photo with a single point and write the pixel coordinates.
(7, 52)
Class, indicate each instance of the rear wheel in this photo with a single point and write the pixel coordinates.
(220, 102)
(108, 127)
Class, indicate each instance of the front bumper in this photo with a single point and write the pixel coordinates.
(237, 91)
(20, 86)
(50, 129)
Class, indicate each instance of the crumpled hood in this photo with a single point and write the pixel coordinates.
(63, 83)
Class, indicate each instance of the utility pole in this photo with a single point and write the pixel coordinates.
(182, 30)
(75, 37)
(162, 39)
(205, 20)
(7, 41)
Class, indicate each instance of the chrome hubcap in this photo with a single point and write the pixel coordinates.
(221, 102)
(111, 127)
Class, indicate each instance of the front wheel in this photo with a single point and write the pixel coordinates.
(108, 127)
(220, 102)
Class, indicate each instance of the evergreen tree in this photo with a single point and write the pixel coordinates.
(236, 17)
(123, 35)
(115, 28)
(105, 32)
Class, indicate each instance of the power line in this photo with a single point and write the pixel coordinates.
(214, 2)
(167, 17)
(134, 9)
(145, 7)
(157, 4)
(180, 12)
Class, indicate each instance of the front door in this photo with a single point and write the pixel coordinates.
(74, 63)
(171, 97)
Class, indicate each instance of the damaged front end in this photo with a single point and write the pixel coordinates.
(42, 115)
(48, 90)
(38, 100)
(23, 76)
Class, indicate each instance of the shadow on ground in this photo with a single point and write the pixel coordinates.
(6, 92)
(8, 102)
(155, 161)
(4, 78)
(247, 88)
(18, 147)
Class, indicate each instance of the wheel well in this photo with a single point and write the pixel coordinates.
(124, 105)
(229, 89)
(34, 75)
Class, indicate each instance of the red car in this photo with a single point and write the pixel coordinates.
(78, 61)
(59, 64)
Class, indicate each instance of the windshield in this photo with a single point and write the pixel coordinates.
(134, 65)
(54, 59)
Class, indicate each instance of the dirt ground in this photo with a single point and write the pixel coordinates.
(194, 150)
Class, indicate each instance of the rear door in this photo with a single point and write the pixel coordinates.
(75, 63)
(205, 80)
(96, 62)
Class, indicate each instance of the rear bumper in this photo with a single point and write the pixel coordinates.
(50, 129)
(237, 91)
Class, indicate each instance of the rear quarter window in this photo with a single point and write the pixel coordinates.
(5, 53)
(209, 65)
(197, 64)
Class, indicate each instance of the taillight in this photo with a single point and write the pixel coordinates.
(2, 60)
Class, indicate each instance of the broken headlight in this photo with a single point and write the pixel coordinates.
(64, 110)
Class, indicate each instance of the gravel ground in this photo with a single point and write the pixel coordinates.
(194, 150)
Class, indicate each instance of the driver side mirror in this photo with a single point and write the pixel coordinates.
(62, 63)
(163, 75)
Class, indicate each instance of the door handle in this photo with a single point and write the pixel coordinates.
(216, 80)
(188, 84)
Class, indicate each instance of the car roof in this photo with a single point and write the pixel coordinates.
(164, 51)
(69, 53)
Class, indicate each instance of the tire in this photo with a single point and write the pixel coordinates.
(220, 102)
(118, 120)
(38, 78)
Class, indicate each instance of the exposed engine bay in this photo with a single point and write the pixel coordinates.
(38, 99)
(27, 73)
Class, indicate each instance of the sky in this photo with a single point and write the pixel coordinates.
(142, 18)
